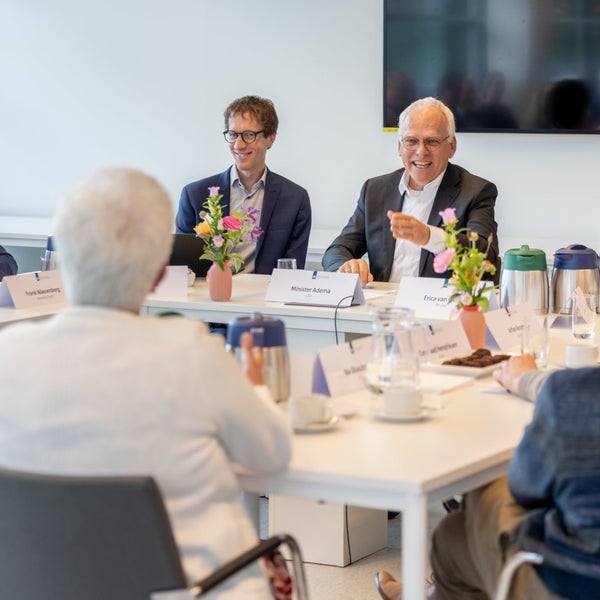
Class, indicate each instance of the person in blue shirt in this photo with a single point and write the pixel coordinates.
(549, 503)
(8, 265)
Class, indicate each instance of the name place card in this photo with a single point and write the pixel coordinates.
(429, 295)
(437, 341)
(27, 290)
(174, 283)
(506, 325)
(340, 369)
(315, 288)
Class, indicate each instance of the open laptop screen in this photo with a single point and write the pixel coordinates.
(187, 248)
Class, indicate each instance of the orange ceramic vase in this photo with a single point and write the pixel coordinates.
(219, 282)
(473, 323)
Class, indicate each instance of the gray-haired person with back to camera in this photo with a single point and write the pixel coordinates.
(99, 389)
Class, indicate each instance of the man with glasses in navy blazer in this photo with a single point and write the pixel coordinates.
(285, 214)
(397, 221)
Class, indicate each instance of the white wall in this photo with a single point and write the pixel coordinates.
(145, 82)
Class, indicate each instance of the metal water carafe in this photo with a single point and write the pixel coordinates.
(268, 334)
(49, 258)
(524, 278)
(574, 266)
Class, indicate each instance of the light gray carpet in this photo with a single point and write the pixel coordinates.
(355, 582)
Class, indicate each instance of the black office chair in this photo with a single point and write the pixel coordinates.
(99, 537)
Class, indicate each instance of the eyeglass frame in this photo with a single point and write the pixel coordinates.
(242, 134)
(426, 142)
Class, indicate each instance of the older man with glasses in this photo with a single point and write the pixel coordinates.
(396, 221)
(285, 214)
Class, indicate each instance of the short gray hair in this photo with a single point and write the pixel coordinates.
(425, 103)
(113, 235)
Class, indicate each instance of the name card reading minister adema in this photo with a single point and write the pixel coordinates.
(316, 288)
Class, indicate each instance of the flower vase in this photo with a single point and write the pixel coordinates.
(219, 282)
(473, 323)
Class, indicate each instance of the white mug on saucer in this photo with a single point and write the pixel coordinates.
(310, 409)
(581, 355)
(401, 400)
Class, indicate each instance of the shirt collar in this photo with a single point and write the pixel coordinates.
(235, 179)
(431, 186)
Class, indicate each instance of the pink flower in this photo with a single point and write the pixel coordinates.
(213, 191)
(448, 216)
(218, 241)
(442, 261)
(232, 223)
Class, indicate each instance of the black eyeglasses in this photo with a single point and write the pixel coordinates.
(430, 143)
(248, 136)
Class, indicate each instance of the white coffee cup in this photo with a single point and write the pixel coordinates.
(581, 355)
(401, 400)
(310, 409)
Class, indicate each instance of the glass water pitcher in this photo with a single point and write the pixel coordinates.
(392, 373)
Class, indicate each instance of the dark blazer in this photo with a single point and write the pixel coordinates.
(368, 230)
(285, 217)
(8, 265)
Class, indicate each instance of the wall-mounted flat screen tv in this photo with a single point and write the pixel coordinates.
(500, 65)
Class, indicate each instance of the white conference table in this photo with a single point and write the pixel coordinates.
(365, 462)
(308, 328)
(14, 315)
(406, 466)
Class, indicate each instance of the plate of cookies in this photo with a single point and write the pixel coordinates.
(480, 363)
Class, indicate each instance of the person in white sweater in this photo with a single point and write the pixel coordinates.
(100, 390)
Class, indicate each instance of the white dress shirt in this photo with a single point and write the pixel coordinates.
(417, 204)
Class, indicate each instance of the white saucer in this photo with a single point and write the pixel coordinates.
(381, 415)
(345, 408)
(318, 427)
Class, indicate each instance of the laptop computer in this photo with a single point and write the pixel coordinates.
(187, 248)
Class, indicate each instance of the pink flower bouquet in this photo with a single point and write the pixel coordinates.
(468, 265)
(221, 234)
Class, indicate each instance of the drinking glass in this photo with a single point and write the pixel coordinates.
(286, 263)
(534, 338)
(584, 316)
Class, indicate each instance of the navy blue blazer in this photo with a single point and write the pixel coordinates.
(285, 217)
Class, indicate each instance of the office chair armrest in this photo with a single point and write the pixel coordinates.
(509, 569)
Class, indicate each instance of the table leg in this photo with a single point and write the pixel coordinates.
(415, 548)
(252, 503)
